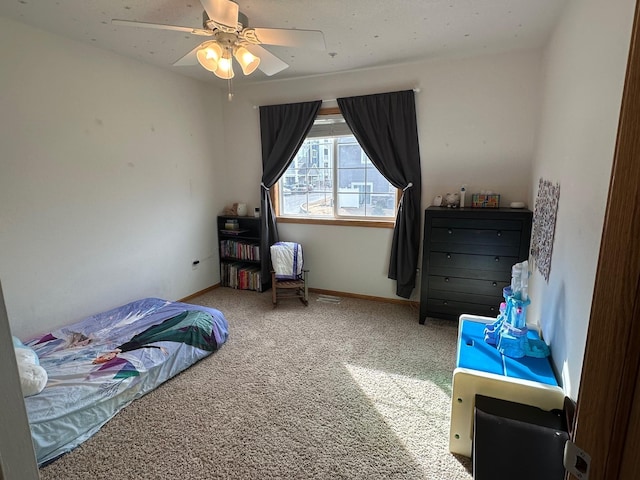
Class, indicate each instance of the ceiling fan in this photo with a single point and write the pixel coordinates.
(232, 38)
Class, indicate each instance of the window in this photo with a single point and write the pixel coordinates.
(332, 178)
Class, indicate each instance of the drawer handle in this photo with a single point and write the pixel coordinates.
(499, 233)
(448, 256)
(495, 284)
(497, 259)
(446, 279)
(492, 309)
(445, 303)
(450, 232)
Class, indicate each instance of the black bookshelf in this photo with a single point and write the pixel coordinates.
(242, 257)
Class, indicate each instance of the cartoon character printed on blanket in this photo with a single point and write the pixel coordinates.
(101, 364)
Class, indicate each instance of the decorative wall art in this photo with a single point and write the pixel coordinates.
(544, 225)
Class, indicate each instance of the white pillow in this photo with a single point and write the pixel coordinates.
(33, 377)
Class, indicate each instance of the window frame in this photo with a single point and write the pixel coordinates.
(375, 222)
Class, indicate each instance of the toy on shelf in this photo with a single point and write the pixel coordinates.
(509, 333)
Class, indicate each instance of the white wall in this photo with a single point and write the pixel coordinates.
(476, 122)
(585, 64)
(109, 180)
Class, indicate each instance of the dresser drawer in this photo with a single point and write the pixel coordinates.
(452, 309)
(474, 262)
(476, 223)
(486, 236)
(479, 286)
(492, 301)
(476, 248)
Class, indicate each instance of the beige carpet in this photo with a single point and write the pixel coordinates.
(353, 390)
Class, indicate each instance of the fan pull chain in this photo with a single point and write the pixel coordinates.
(230, 94)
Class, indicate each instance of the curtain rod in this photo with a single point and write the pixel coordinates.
(416, 90)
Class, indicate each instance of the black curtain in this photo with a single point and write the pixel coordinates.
(386, 128)
(283, 129)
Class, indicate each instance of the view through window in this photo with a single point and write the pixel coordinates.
(332, 177)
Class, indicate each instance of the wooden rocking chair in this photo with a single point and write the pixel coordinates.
(288, 277)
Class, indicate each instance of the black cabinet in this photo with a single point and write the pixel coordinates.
(241, 254)
(467, 257)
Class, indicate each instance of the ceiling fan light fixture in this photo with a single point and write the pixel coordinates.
(209, 56)
(225, 66)
(247, 60)
(227, 32)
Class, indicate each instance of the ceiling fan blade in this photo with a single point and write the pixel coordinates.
(309, 39)
(269, 63)
(129, 23)
(224, 12)
(189, 59)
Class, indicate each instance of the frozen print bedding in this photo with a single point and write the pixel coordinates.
(99, 365)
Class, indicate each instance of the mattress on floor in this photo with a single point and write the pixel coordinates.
(157, 338)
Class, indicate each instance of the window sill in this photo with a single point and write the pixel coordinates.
(339, 222)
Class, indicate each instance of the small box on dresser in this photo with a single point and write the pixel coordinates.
(467, 257)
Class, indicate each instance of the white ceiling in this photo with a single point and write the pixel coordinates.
(358, 33)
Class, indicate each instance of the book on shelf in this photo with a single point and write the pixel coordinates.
(240, 250)
(240, 276)
(234, 232)
(231, 224)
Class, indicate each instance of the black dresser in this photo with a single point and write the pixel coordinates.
(467, 258)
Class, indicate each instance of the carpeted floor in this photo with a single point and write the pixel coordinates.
(349, 390)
